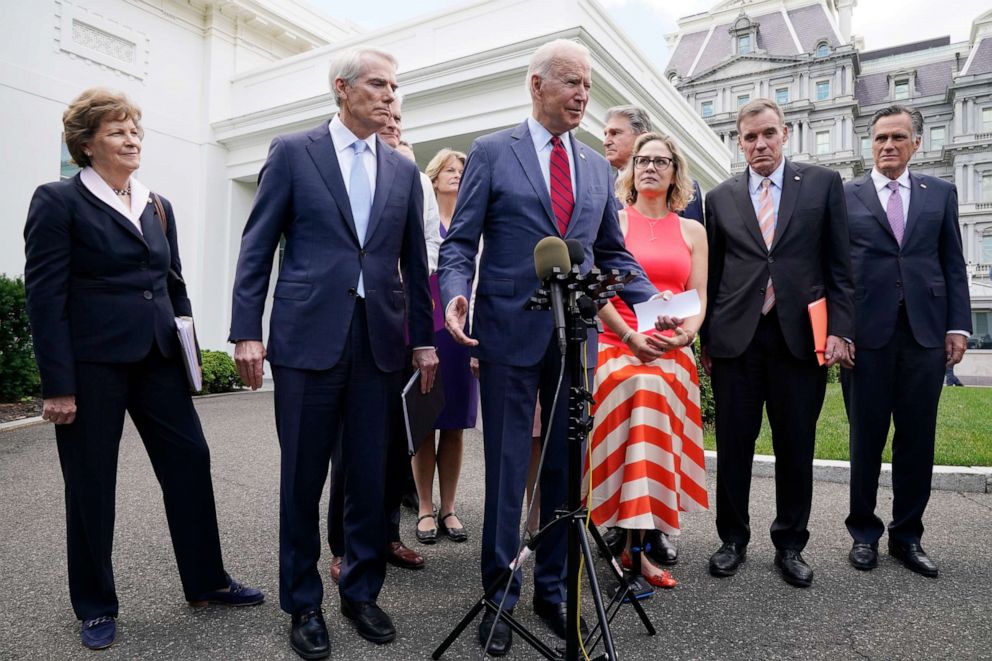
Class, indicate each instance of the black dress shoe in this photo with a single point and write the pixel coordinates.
(309, 635)
(556, 617)
(914, 557)
(371, 622)
(794, 569)
(661, 549)
(616, 539)
(727, 559)
(502, 635)
(863, 556)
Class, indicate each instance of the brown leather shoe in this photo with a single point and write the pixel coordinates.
(336, 562)
(404, 557)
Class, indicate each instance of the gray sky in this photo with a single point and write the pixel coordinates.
(647, 21)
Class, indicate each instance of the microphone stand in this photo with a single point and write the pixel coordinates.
(584, 291)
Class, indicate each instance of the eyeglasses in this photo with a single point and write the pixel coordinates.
(660, 163)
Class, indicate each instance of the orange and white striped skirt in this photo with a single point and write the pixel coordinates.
(647, 441)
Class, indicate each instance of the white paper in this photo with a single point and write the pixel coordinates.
(679, 306)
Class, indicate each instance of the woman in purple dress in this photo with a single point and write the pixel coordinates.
(461, 390)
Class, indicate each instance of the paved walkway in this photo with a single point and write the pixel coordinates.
(889, 613)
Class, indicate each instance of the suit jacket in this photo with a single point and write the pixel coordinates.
(928, 271)
(302, 197)
(809, 258)
(98, 290)
(503, 198)
(695, 208)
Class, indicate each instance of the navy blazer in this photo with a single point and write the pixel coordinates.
(503, 198)
(98, 290)
(809, 258)
(928, 271)
(302, 197)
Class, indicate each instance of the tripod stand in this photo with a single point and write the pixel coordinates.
(583, 292)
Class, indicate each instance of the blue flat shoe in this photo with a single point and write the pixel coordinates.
(98, 633)
(235, 595)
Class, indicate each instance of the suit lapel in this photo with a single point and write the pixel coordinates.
(523, 147)
(385, 167)
(792, 182)
(324, 155)
(917, 201)
(581, 172)
(745, 207)
(125, 223)
(864, 190)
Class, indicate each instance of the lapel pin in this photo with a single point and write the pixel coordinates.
(923, 185)
(582, 155)
(797, 177)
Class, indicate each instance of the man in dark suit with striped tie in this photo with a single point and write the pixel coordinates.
(520, 186)
(913, 322)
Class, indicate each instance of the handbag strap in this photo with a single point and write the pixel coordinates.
(160, 212)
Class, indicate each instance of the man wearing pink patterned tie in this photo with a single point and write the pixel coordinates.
(778, 241)
(913, 321)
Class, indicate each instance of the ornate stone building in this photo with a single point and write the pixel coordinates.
(802, 54)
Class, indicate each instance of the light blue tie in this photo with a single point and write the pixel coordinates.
(360, 195)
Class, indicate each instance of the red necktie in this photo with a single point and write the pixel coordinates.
(562, 200)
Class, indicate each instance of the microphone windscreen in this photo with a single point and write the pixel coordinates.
(549, 253)
(576, 253)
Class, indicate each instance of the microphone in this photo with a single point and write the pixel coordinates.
(576, 253)
(551, 252)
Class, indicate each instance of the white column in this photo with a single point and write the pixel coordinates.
(958, 117)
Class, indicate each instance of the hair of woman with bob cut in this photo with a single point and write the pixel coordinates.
(440, 159)
(680, 192)
(88, 111)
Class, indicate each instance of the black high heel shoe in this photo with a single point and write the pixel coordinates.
(454, 534)
(426, 536)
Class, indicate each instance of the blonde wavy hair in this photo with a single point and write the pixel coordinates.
(437, 163)
(680, 192)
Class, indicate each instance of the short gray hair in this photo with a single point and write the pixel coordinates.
(757, 107)
(640, 123)
(915, 118)
(350, 64)
(545, 57)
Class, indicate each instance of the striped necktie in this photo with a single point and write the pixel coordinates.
(562, 200)
(766, 221)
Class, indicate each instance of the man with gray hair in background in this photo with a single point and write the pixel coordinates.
(623, 125)
(349, 209)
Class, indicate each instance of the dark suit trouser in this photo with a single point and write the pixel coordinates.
(349, 405)
(509, 396)
(766, 375)
(901, 383)
(154, 391)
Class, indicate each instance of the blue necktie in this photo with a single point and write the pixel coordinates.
(360, 196)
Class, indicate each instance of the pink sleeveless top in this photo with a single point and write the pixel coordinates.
(661, 250)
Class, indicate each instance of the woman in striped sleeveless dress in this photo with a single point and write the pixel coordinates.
(647, 443)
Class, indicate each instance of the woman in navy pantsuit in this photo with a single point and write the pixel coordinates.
(104, 286)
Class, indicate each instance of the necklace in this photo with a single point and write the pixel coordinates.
(651, 224)
(122, 192)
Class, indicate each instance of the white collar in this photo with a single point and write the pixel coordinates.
(542, 136)
(754, 179)
(881, 181)
(343, 138)
(139, 195)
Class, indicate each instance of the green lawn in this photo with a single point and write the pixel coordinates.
(964, 429)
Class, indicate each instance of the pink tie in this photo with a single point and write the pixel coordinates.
(766, 221)
(561, 185)
(895, 212)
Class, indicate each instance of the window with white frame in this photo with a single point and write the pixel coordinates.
(937, 136)
(822, 90)
(987, 188)
(822, 143)
(822, 49)
(707, 108)
(744, 44)
(782, 96)
(865, 147)
(743, 99)
(901, 89)
(987, 119)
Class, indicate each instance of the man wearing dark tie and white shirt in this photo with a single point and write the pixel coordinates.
(913, 321)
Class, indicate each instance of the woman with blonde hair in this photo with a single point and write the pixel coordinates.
(647, 441)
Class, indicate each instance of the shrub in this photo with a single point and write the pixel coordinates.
(18, 371)
(219, 373)
(706, 405)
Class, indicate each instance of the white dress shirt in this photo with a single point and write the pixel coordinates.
(754, 187)
(140, 196)
(432, 223)
(343, 140)
(542, 145)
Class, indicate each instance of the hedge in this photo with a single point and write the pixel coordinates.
(18, 371)
(219, 373)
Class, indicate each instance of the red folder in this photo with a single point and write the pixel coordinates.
(818, 319)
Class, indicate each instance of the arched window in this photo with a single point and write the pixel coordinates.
(822, 49)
